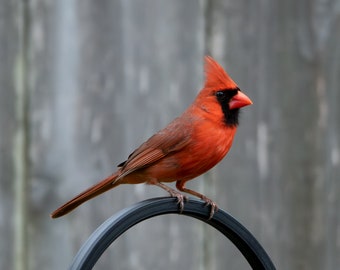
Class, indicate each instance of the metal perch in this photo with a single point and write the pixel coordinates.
(116, 225)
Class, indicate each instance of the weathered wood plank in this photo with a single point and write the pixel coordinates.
(12, 136)
(51, 150)
(108, 75)
(278, 179)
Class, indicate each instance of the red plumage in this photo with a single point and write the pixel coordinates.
(189, 146)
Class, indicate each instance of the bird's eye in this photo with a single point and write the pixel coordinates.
(220, 94)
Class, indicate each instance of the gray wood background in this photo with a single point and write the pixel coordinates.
(82, 83)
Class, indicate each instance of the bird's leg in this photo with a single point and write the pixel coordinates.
(180, 185)
(174, 193)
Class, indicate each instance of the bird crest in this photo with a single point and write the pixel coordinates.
(215, 76)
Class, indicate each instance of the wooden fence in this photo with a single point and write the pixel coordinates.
(84, 82)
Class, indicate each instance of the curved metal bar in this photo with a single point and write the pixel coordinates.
(119, 223)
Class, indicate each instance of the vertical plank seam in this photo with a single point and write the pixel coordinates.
(207, 13)
(208, 242)
(20, 154)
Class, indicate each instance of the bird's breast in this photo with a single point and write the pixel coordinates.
(208, 145)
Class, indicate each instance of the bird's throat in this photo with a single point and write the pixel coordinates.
(230, 116)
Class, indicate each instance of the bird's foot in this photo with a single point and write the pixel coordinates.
(174, 193)
(213, 205)
(180, 199)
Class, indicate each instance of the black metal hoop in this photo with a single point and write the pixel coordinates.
(116, 225)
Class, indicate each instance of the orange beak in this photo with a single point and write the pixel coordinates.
(239, 100)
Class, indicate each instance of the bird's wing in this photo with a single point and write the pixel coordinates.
(171, 139)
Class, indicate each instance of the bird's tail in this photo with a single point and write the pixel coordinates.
(86, 195)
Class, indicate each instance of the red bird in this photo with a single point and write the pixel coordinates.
(189, 146)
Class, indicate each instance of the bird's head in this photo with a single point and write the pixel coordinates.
(220, 95)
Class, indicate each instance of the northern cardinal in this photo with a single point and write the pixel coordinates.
(190, 145)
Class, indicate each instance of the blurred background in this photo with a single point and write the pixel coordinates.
(82, 83)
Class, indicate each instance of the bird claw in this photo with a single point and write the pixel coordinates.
(213, 205)
(180, 200)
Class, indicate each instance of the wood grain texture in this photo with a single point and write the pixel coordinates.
(282, 54)
(101, 71)
(13, 135)
(100, 77)
(7, 130)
